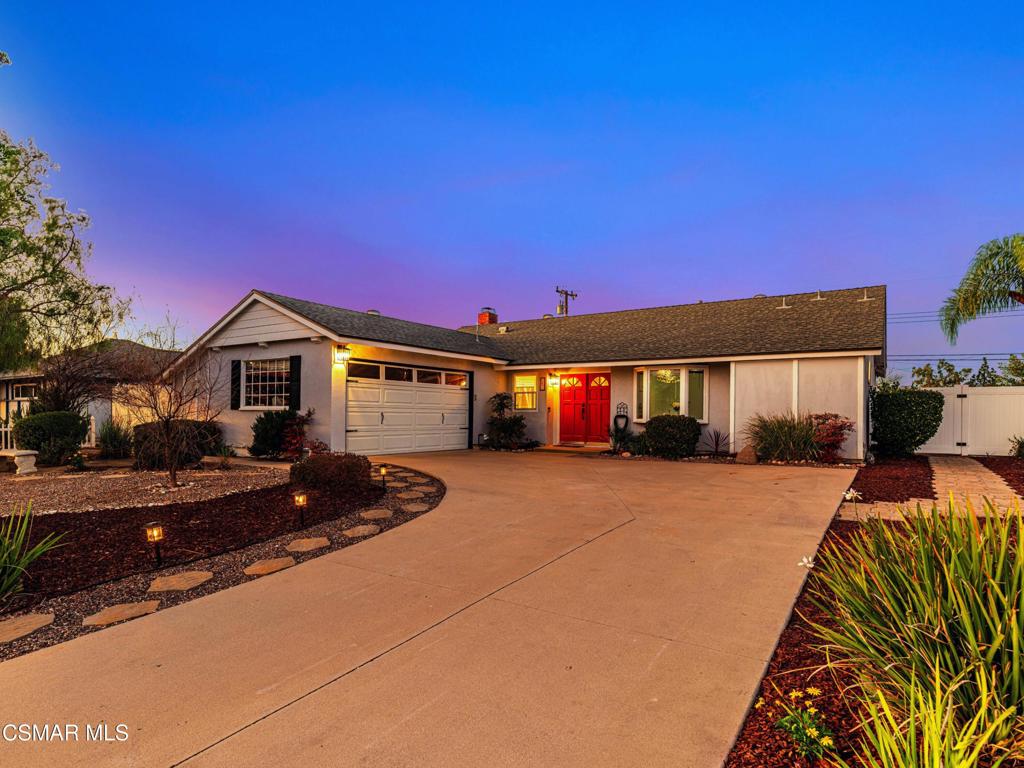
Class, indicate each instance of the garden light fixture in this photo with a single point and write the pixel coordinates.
(154, 535)
(301, 500)
(384, 478)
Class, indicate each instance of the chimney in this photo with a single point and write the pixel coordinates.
(487, 316)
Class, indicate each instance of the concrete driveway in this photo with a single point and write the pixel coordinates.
(554, 610)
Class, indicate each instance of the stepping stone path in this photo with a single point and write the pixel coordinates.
(397, 484)
(376, 514)
(415, 479)
(308, 545)
(415, 507)
(12, 629)
(263, 567)
(426, 488)
(410, 495)
(120, 612)
(361, 530)
(180, 582)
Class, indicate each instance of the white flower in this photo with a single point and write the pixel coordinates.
(852, 495)
(806, 562)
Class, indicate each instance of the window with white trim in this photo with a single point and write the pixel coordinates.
(670, 390)
(265, 383)
(524, 391)
(23, 391)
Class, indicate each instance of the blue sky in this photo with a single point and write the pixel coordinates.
(427, 159)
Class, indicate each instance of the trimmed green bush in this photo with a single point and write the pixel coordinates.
(1017, 446)
(672, 437)
(334, 473)
(931, 602)
(57, 435)
(783, 437)
(506, 431)
(114, 440)
(268, 432)
(189, 440)
(903, 419)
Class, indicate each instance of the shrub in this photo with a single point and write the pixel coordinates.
(637, 445)
(715, 442)
(783, 437)
(114, 440)
(268, 432)
(335, 473)
(672, 437)
(903, 419)
(187, 440)
(506, 430)
(1017, 446)
(57, 435)
(931, 601)
(830, 432)
(293, 440)
(15, 553)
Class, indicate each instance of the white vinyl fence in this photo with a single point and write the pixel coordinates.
(978, 420)
(7, 436)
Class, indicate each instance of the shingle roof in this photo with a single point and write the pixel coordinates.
(811, 322)
(391, 330)
(829, 321)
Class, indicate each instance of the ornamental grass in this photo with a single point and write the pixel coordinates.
(927, 610)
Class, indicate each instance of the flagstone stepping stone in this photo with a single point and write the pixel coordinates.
(376, 514)
(426, 488)
(179, 582)
(120, 612)
(12, 629)
(271, 565)
(416, 479)
(308, 545)
(397, 484)
(415, 507)
(410, 495)
(361, 530)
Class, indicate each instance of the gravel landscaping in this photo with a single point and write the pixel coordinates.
(1010, 468)
(227, 567)
(895, 480)
(63, 490)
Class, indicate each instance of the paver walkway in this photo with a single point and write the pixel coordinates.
(961, 476)
(552, 611)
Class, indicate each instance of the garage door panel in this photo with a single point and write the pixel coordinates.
(455, 398)
(428, 418)
(398, 396)
(429, 441)
(362, 419)
(363, 393)
(363, 443)
(456, 418)
(428, 397)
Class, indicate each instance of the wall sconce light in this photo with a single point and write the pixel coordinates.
(154, 535)
(552, 379)
(301, 500)
(342, 354)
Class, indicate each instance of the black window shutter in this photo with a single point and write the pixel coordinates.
(236, 384)
(295, 382)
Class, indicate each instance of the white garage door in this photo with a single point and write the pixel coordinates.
(394, 408)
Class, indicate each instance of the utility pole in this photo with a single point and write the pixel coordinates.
(563, 302)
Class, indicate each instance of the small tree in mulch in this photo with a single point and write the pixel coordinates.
(830, 432)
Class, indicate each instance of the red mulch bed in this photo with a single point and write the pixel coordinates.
(895, 480)
(103, 545)
(1010, 468)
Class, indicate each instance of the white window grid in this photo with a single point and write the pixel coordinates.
(266, 383)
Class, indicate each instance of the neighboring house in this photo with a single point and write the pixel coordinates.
(383, 385)
(18, 388)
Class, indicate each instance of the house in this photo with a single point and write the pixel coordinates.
(383, 385)
(100, 364)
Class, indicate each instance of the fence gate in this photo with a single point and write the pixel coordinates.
(978, 420)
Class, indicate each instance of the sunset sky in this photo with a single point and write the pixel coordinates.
(430, 158)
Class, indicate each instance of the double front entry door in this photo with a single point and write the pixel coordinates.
(584, 408)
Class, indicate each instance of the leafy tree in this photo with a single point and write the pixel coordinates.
(945, 374)
(994, 282)
(1012, 371)
(4, 59)
(985, 376)
(44, 289)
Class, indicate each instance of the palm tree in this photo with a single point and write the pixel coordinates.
(994, 282)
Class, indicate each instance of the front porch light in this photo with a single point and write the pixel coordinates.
(342, 354)
(552, 379)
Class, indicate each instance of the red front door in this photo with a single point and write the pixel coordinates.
(573, 407)
(598, 403)
(584, 407)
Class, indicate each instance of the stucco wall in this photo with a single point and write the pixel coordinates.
(829, 385)
(762, 387)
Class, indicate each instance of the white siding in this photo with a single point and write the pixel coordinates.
(260, 323)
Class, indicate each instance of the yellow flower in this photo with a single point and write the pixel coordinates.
(827, 741)
(813, 692)
(812, 710)
(759, 703)
(794, 695)
(812, 732)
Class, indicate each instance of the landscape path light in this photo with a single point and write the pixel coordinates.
(154, 535)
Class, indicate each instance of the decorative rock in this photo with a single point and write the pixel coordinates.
(410, 495)
(12, 629)
(747, 455)
(263, 567)
(308, 545)
(361, 530)
(376, 514)
(179, 582)
(415, 507)
(120, 612)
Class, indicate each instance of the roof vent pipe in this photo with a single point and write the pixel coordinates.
(374, 312)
